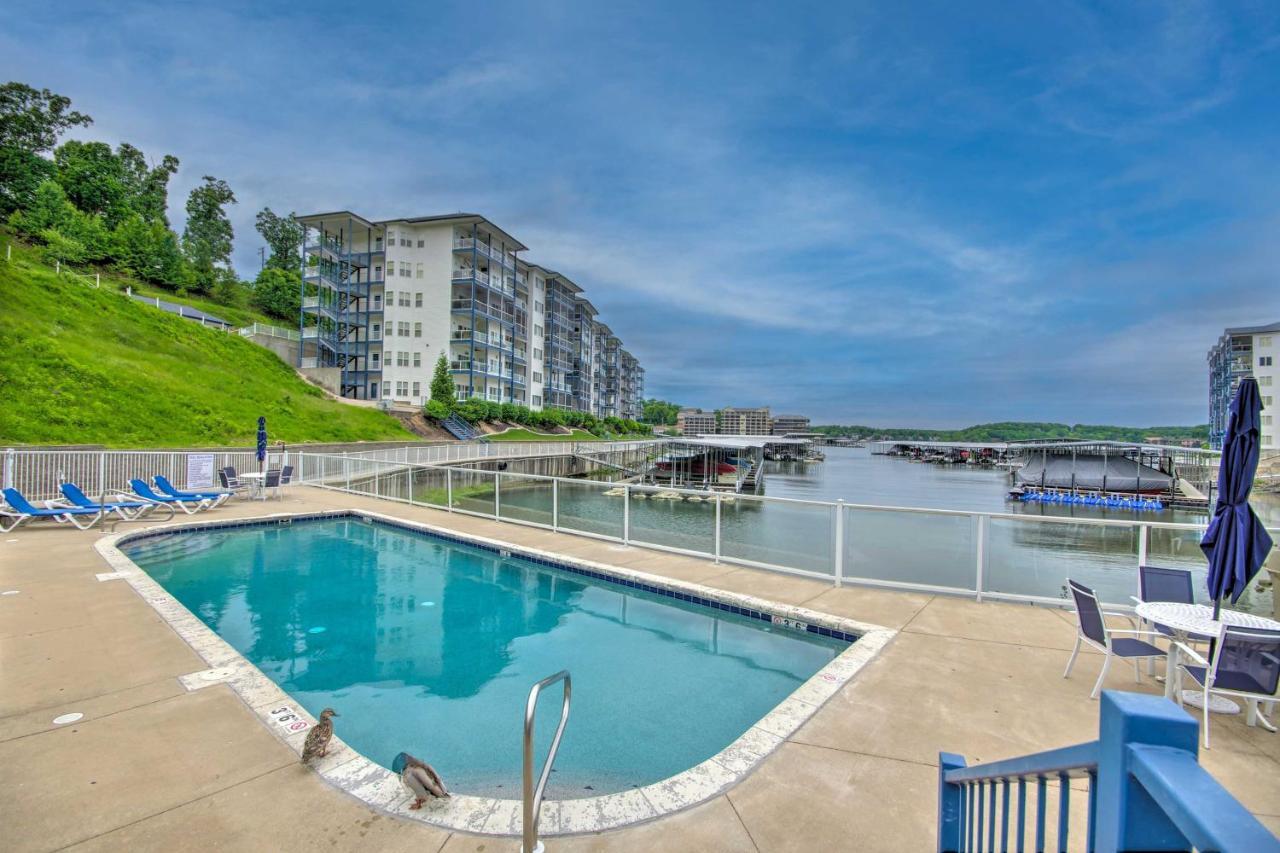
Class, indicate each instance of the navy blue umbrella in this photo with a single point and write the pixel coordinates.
(1236, 543)
(261, 443)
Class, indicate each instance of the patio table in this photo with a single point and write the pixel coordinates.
(1187, 619)
(256, 481)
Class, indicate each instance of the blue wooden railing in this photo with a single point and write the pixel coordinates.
(1146, 790)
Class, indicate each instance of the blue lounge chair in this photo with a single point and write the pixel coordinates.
(126, 509)
(167, 488)
(145, 492)
(22, 510)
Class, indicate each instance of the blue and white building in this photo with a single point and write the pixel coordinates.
(1243, 351)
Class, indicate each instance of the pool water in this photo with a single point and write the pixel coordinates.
(430, 646)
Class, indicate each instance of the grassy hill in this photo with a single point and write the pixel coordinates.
(80, 365)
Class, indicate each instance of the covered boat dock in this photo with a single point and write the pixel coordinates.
(728, 463)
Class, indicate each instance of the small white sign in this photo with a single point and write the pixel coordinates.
(199, 470)
(288, 719)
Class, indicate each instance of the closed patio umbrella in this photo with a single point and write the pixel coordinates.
(261, 445)
(1236, 543)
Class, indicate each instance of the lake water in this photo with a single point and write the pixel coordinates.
(1023, 557)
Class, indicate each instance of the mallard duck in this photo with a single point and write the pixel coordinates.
(317, 742)
(419, 779)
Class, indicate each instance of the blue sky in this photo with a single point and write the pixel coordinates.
(894, 214)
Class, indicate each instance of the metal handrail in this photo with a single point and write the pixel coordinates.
(532, 795)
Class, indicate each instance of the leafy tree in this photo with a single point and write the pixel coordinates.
(284, 235)
(442, 388)
(207, 239)
(279, 293)
(659, 411)
(146, 187)
(59, 247)
(93, 178)
(31, 120)
(48, 208)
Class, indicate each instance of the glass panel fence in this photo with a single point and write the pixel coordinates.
(1036, 557)
(1179, 549)
(591, 507)
(781, 533)
(473, 490)
(430, 486)
(910, 547)
(673, 519)
(525, 498)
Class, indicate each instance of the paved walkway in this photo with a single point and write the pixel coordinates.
(152, 766)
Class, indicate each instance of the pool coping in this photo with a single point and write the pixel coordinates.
(358, 776)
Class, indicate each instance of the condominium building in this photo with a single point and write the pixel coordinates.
(1240, 352)
(383, 299)
(735, 421)
(695, 422)
(783, 424)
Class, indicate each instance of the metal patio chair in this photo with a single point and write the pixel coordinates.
(1245, 665)
(1093, 629)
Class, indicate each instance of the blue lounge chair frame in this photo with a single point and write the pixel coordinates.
(146, 493)
(121, 506)
(166, 488)
(22, 510)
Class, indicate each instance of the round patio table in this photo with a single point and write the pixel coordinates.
(1187, 619)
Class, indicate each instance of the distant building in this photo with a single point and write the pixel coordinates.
(735, 421)
(1240, 352)
(695, 422)
(783, 424)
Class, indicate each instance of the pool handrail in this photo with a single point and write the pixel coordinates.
(533, 795)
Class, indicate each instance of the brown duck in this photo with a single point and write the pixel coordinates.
(317, 742)
(421, 780)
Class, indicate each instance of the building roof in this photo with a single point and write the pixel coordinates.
(739, 442)
(457, 218)
(1254, 330)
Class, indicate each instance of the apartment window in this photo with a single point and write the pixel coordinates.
(417, 330)
(405, 272)
(377, 300)
(1264, 361)
(1264, 341)
(402, 328)
(404, 242)
(376, 359)
(417, 360)
(1266, 420)
(404, 299)
(402, 389)
(391, 297)
(391, 268)
(391, 238)
(537, 400)
(1264, 380)
(386, 389)
(1266, 401)
(537, 354)
(377, 331)
(417, 297)
(537, 330)
(421, 243)
(537, 306)
(402, 359)
(421, 272)
(537, 377)
(377, 273)
(417, 386)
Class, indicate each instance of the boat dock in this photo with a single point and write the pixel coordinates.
(723, 463)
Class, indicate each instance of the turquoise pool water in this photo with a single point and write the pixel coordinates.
(431, 646)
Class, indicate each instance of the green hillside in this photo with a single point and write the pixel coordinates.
(80, 365)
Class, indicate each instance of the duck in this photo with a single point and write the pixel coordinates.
(317, 743)
(419, 779)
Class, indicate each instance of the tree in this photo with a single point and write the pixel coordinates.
(279, 293)
(284, 235)
(208, 237)
(48, 208)
(659, 412)
(31, 121)
(442, 388)
(146, 187)
(93, 178)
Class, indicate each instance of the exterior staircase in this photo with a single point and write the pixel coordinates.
(459, 428)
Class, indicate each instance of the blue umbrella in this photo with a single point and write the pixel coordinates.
(261, 443)
(1236, 543)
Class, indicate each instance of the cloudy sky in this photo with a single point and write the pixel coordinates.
(889, 214)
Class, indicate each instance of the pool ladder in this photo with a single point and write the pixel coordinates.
(533, 795)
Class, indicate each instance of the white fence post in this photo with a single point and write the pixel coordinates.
(717, 532)
(497, 495)
(980, 543)
(839, 537)
(626, 514)
(555, 505)
(448, 488)
(1144, 537)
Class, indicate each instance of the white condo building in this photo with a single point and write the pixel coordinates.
(382, 300)
(1244, 351)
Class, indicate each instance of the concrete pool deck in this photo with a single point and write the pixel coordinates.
(152, 765)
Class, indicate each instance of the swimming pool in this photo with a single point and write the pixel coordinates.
(430, 645)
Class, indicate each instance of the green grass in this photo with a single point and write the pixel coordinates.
(522, 434)
(80, 365)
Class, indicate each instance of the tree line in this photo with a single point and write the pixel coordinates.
(89, 203)
(1023, 431)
